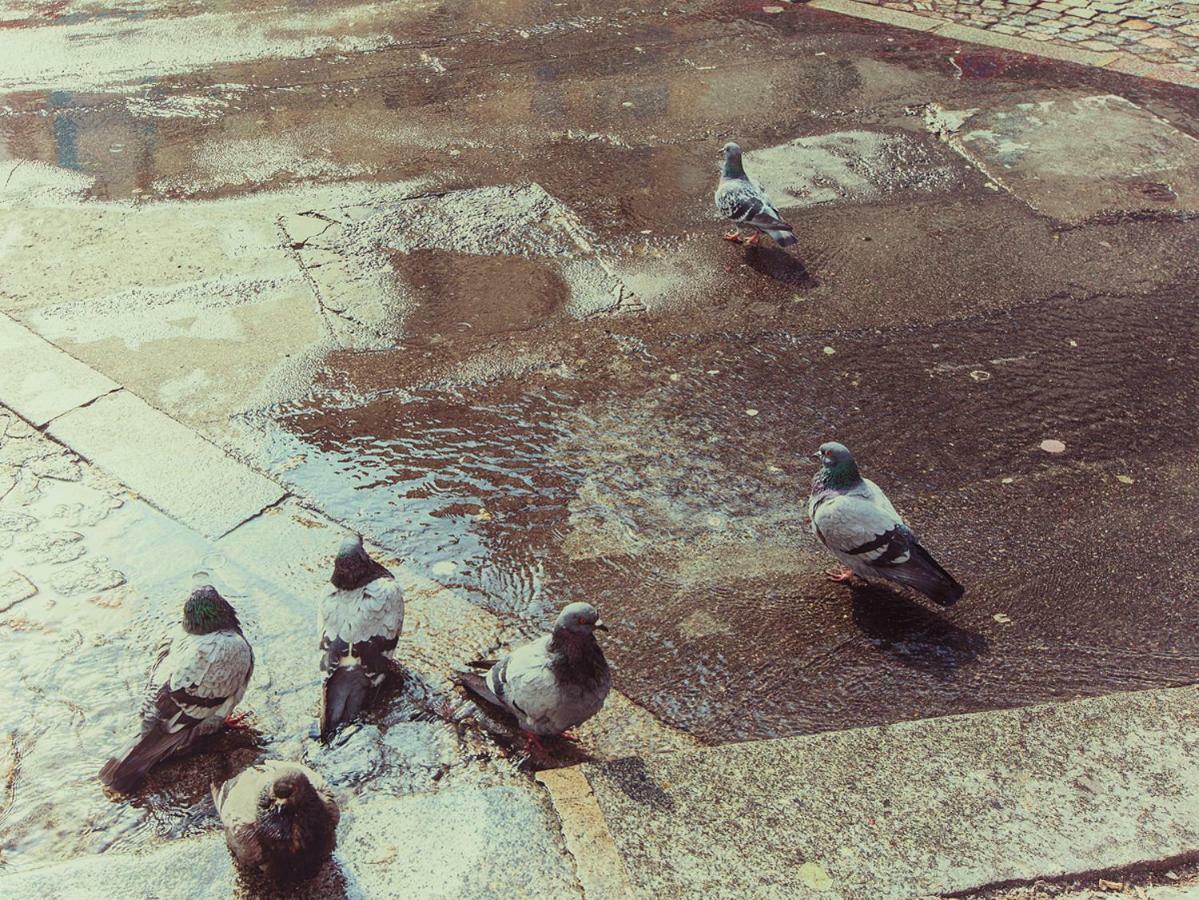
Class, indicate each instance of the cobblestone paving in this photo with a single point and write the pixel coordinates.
(1159, 31)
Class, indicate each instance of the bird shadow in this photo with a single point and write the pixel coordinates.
(914, 635)
(783, 267)
(632, 777)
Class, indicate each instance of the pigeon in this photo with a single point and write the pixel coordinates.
(554, 683)
(853, 518)
(740, 198)
(206, 673)
(360, 623)
(280, 818)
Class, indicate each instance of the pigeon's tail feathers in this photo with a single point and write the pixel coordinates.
(483, 664)
(782, 238)
(346, 693)
(477, 685)
(924, 574)
(125, 775)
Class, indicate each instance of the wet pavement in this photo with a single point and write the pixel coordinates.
(450, 274)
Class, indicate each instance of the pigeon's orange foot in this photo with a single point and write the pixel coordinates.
(754, 238)
(533, 743)
(840, 574)
(734, 236)
(569, 736)
(238, 722)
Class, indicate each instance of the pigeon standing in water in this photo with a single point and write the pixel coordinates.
(207, 670)
(280, 818)
(360, 623)
(853, 518)
(740, 198)
(554, 683)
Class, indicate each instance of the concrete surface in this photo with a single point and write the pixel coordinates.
(169, 464)
(914, 809)
(40, 381)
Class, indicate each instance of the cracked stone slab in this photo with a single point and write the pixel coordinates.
(1076, 158)
(14, 588)
(345, 253)
(166, 463)
(850, 167)
(38, 380)
(940, 806)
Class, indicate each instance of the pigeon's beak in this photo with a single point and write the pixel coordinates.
(600, 626)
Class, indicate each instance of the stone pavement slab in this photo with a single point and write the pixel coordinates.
(916, 808)
(1047, 151)
(38, 380)
(167, 463)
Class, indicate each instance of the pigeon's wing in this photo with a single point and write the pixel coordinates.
(524, 682)
(208, 678)
(237, 799)
(862, 531)
(746, 203)
(875, 494)
(365, 622)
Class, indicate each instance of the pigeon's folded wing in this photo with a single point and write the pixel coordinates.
(524, 681)
(863, 530)
(369, 619)
(208, 672)
(746, 204)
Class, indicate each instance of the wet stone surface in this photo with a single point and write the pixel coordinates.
(385, 254)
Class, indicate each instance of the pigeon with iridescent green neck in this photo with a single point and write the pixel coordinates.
(205, 675)
(744, 201)
(853, 518)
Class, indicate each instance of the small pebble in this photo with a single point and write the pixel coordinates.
(1049, 445)
(1124, 479)
(751, 412)
(829, 351)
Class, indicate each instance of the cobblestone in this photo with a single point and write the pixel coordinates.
(1164, 33)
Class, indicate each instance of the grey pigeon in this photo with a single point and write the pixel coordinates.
(853, 518)
(554, 683)
(743, 200)
(280, 819)
(360, 623)
(206, 673)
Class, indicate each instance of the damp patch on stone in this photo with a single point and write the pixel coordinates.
(364, 262)
(850, 167)
(1076, 158)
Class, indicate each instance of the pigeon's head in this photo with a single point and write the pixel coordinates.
(837, 465)
(207, 611)
(831, 455)
(354, 567)
(730, 161)
(579, 618)
(288, 791)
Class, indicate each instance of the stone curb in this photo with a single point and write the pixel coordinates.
(41, 382)
(597, 860)
(1116, 61)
